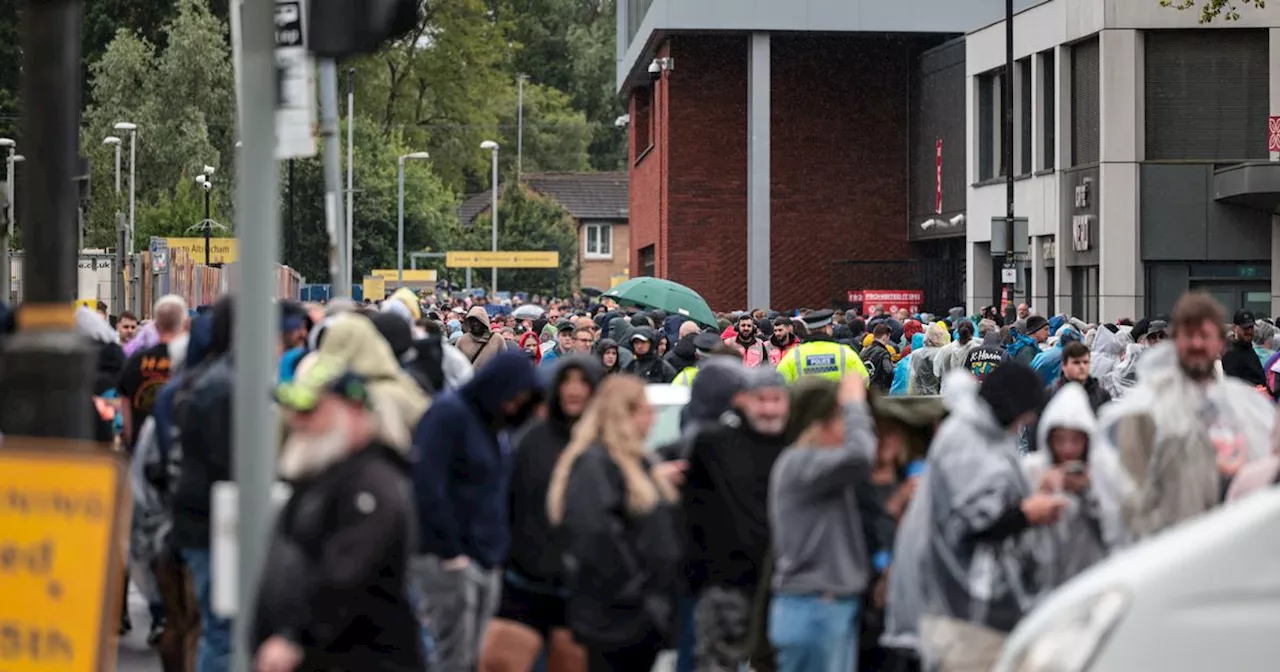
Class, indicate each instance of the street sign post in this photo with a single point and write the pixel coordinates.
(502, 259)
(61, 562)
(296, 114)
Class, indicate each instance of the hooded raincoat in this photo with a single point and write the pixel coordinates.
(1107, 348)
(480, 349)
(395, 395)
(1091, 525)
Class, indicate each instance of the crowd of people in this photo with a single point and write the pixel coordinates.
(471, 487)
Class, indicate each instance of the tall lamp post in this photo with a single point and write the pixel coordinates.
(400, 218)
(132, 129)
(493, 149)
(121, 241)
(6, 270)
(205, 180)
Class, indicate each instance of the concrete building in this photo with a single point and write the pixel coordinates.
(773, 158)
(1141, 153)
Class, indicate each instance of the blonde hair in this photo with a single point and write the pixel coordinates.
(608, 421)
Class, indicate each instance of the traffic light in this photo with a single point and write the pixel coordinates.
(339, 28)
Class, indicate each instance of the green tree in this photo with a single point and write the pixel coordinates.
(556, 136)
(528, 222)
(181, 98)
(1213, 9)
(430, 221)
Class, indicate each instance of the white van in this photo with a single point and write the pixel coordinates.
(1204, 595)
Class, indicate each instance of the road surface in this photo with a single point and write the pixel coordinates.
(133, 653)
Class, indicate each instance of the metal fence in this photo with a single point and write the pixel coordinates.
(941, 280)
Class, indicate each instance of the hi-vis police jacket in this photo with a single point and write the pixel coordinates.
(821, 356)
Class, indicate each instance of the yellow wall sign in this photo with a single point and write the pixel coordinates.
(502, 259)
(62, 515)
(221, 250)
(375, 288)
(410, 275)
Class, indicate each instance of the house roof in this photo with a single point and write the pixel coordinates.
(585, 196)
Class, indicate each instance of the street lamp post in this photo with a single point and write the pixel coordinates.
(6, 234)
(400, 218)
(118, 281)
(205, 180)
(132, 129)
(493, 149)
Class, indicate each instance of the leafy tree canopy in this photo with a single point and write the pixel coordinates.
(1213, 9)
(527, 222)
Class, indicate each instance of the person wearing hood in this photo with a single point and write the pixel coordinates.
(532, 614)
(647, 365)
(902, 370)
(1026, 344)
(110, 366)
(924, 377)
(460, 475)
(684, 354)
(618, 330)
(608, 352)
(332, 594)
(479, 343)
(1070, 463)
(727, 521)
(1108, 345)
(672, 326)
(1048, 364)
(979, 516)
(356, 341)
(529, 346)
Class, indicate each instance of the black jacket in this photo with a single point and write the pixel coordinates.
(1240, 361)
(725, 499)
(651, 367)
(879, 362)
(335, 578)
(683, 355)
(621, 569)
(203, 453)
(536, 554)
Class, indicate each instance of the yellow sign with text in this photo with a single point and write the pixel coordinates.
(410, 275)
(221, 250)
(62, 514)
(375, 288)
(502, 260)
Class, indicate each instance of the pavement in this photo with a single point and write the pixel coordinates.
(133, 654)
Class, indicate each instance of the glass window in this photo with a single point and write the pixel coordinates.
(598, 241)
(1024, 117)
(1049, 122)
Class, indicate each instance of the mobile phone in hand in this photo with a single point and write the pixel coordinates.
(1074, 467)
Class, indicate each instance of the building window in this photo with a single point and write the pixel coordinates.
(1049, 111)
(1084, 293)
(991, 158)
(1207, 94)
(642, 120)
(1086, 111)
(1024, 117)
(597, 240)
(648, 261)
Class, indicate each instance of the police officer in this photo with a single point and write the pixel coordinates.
(820, 354)
(705, 345)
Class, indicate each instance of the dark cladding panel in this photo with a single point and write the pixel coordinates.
(938, 102)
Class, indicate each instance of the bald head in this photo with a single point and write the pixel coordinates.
(688, 327)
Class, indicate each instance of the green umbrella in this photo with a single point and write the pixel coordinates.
(670, 297)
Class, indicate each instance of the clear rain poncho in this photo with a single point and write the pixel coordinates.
(944, 594)
(1107, 348)
(1163, 432)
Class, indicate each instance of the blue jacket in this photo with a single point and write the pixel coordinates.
(461, 463)
(1048, 364)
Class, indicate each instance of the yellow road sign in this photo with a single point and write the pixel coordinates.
(410, 275)
(62, 520)
(502, 259)
(221, 250)
(375, 287)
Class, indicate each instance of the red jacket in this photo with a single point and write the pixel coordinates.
(776, 353)
(753, 356)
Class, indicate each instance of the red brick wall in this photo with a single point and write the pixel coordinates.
(839, 164)
(839, 159)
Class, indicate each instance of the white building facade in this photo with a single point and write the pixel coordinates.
(1141, 158)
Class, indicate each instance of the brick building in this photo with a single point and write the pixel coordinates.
(773, 160)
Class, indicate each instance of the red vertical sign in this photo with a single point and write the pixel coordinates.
(937, 202)
(1273, 134)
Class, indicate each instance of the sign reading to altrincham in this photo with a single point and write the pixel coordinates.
(502, 259)
(62, 513)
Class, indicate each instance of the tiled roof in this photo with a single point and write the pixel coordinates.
(586, 196)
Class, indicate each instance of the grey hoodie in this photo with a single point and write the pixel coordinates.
(818, 543)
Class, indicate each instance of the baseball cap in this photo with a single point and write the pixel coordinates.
(1243, 318)
(328, 375)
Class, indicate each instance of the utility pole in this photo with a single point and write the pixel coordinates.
(1006, 147)
(338, 267)
(351, 158)
(256, 317)
(6, 232)
(46, 367)
(520, 80)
